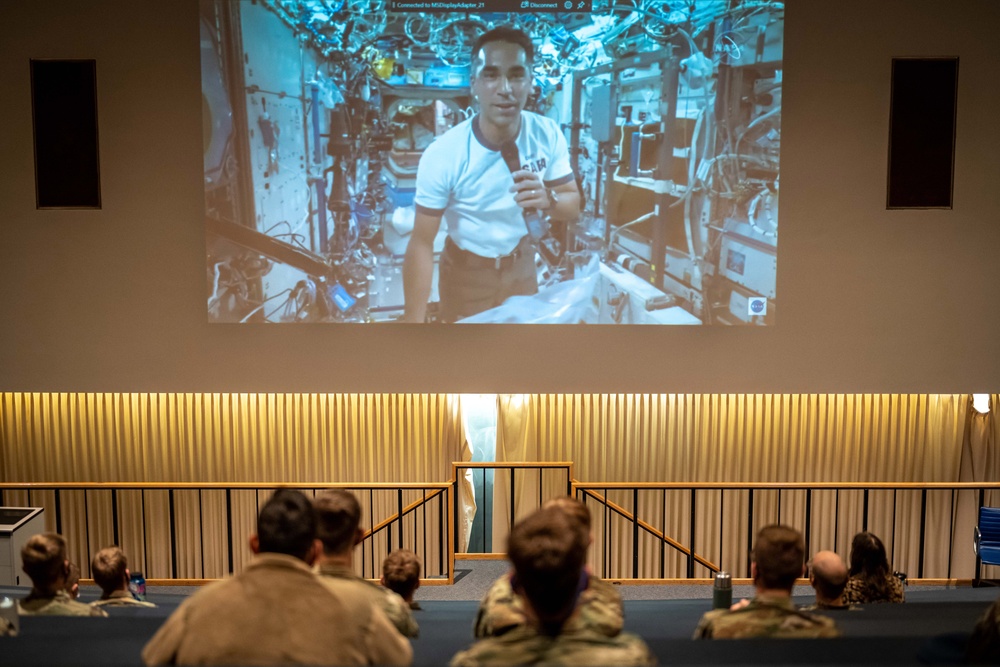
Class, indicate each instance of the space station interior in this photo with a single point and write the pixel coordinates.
(316, 113)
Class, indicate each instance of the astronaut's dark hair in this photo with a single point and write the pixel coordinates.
(504, 34)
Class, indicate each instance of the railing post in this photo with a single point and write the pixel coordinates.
(864, 514)
(635, 533)
(511, 497)
(749, 530)
(454, 500)
(808, 519)
(923, 532)
(114, 516)
(694, 514)
(173, 535)
(229, 527)
(399, 511)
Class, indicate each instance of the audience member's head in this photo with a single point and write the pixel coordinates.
(548, 552)
(828, 575)
(110, 570)
(868, 557)
(338, 514)
(575, 510)
(43, 559)
(286, 525)
(401, 573)
(73, 581)
(778, 558)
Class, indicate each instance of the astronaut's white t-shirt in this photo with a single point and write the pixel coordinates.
(463, 178)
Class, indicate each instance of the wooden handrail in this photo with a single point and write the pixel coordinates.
(406, 510)
(221, 486)
(650, 529)
(783, 486)
(513, 464)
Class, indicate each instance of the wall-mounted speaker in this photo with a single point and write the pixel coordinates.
(922, 126)
(64, 111)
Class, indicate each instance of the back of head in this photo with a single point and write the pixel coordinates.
(108, 567)
(548, 554)
(401, 572)
(43, 559)
(574, 509)
(287, 524)
(829, 575)
(868, 557)
(338, 514)
(779, 552)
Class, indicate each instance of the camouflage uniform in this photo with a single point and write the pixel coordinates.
(764, 617)
(394, 606)
(60, 604)
(859, 591)
(984, 644)
(574, 646)
(121, 599)
(824, 606)
(599, 608)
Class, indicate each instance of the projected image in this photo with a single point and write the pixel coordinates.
(506, 161)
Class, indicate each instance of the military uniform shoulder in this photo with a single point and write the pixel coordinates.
(59, 605)
(763, 618)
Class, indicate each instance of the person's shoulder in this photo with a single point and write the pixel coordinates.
(521, 645)
(594, 648)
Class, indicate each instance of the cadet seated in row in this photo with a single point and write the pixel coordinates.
(778, 560)
(44, 560)
(110, 570)
(401, 575)
(502, 609)
(339, 516)
(871, 578)
(548, 550)
(277, 611)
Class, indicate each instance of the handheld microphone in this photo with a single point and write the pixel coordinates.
(512, 158)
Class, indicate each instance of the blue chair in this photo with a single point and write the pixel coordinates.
(987, 539)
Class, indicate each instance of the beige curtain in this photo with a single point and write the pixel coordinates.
(743, 438)
(978, 464)
(255, 438)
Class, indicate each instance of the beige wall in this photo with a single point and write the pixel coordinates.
(871, 300)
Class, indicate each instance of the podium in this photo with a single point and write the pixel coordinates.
(17, 524)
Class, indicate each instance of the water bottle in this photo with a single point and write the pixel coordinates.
(137, 586)
(722, 591)
(8, 612)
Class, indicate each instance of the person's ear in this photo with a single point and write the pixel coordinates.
(753, 571)
(359, 536)
(314, 552)
(255, 543)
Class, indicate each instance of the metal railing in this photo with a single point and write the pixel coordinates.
(422, 525)
(564, 485)
(636, 524)
(611, 516)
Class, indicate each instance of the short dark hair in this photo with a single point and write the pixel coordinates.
(401, 572)
(548, 553)
(574, 509)
(108, 568)
(338, 514)
(507, 34)
(779, 552)
(42, 557)
(287, 524)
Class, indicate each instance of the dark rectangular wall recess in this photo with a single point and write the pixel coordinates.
(64, 110)
(922, 132)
